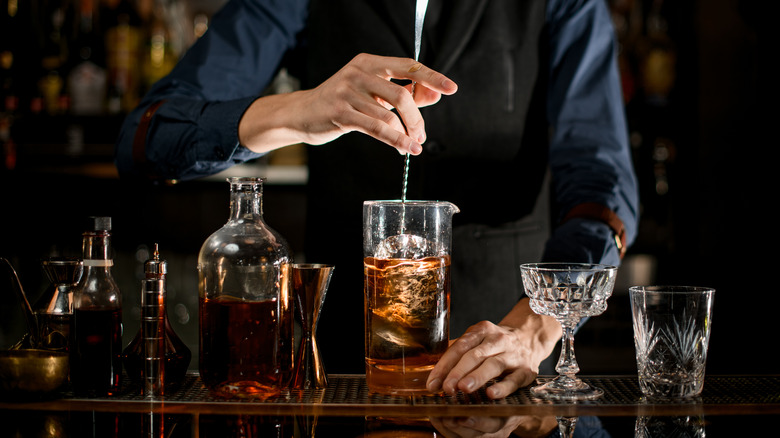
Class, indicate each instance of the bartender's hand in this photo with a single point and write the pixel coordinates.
(512, 350)
(359, 97)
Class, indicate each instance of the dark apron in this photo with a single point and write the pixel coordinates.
(486, 153)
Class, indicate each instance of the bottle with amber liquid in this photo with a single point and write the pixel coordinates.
(174, 354)
(96, 346)
(123, 37)
(246, 319)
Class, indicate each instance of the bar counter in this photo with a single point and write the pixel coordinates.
(749, 403)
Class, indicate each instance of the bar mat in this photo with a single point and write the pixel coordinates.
(352, 390)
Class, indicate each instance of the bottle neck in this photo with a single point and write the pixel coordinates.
(96, 249)
(246, 201)
(97, 288)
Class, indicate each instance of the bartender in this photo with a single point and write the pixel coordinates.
(516, 117)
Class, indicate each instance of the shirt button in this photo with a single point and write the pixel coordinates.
(219, 153)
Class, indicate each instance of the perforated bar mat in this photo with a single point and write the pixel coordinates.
(348, 394)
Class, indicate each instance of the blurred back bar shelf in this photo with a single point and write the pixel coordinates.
(70, 71)
(66, 144)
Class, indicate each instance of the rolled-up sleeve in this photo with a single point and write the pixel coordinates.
(194, 132)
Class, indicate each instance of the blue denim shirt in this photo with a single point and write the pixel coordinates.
(195, 132)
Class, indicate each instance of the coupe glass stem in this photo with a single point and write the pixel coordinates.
(567, 362)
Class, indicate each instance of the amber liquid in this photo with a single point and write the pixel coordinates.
(240, 351)
(96, 351)
(407, 304)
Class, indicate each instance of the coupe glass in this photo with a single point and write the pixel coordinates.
(568, 292)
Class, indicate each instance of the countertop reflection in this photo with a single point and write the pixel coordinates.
(747, 404)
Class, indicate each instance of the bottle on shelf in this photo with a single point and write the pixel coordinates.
(56, 16)
(96, 347)
(123, 38)
(9, 102)
(87, 75)
(158, 56)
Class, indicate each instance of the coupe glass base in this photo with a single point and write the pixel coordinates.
(567, 388)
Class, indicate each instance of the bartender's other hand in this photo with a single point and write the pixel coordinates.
(485, 351)
(360, 97)
(512, 350)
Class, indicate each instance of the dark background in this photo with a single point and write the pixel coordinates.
(702, 146)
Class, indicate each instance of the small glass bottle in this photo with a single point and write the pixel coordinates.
(176, 355)
(96, 347)
(246, 319)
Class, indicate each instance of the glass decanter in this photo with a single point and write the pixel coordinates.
(246, 320)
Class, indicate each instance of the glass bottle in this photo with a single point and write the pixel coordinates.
(87, 76)
(123, 38)
(158, 56)
(176, 355)
(246, 319)
(96, 347)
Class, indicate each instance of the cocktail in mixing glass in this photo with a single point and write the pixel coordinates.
(406, 246)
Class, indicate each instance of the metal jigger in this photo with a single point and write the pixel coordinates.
(64, 274)
(309, 284)
(54, 310)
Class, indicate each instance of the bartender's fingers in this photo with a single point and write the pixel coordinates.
(464, 355)
(406, 68)
(424, 96)
(377, 109)
(429, 85)
(511, 383)
(380, 123)
(384, 132)
(359, 98)
(443, 370)
(342, 106)
(484, 352)
(392, 95)
(504, 357)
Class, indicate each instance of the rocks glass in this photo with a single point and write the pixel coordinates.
(671, 334)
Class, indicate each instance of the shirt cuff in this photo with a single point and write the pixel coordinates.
(582, 241)
(218, 126)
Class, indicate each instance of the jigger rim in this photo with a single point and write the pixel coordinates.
(62, 261)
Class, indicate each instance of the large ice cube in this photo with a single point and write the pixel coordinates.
(391, 340)
(405, 246)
